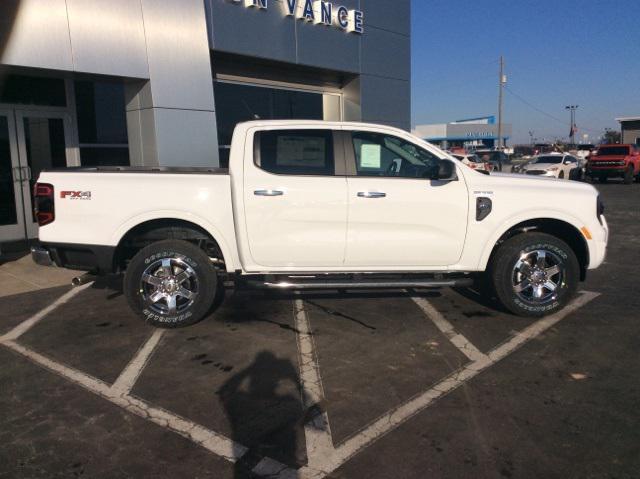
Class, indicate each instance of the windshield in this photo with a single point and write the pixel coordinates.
(548, 159)
(586, 147)
(613, 150)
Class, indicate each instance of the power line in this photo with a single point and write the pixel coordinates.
(530, 105)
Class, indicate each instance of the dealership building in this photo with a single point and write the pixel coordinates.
(630, 127)
(473, 132)
(164, 82)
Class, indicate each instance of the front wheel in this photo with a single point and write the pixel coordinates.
(628, 176)
(171, 284)
(534, 274)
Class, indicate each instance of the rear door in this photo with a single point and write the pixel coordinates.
(295, 199)
(399, 217)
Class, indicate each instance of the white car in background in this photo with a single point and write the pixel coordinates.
(472, 161)
(551, 165)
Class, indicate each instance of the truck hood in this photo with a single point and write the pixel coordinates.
(608, 158)
(563, 189)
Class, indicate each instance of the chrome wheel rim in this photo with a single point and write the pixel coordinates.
(538, 276)
(169, 286)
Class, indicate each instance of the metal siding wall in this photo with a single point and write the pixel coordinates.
(107, 37)
(381, 55)
(386, 63)
(39, 36)
(175, 124)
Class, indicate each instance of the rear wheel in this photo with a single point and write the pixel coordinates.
(534, 274)
(171, 284)
(628, 175)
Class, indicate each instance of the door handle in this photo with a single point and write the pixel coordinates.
(17, 177)
(371, 194)
(268, 193)
(25, 173)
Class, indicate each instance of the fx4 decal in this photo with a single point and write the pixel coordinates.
(75, 195)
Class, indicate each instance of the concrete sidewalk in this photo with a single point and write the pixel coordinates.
(22, 275)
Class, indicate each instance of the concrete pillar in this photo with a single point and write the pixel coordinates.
(171, 117)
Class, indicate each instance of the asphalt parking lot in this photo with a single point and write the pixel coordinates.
(388, 385)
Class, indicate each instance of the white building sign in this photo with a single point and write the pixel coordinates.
(318, 12)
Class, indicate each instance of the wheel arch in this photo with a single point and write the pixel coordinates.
(559, 228)
(145, 232)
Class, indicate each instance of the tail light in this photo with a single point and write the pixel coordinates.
(43, 203)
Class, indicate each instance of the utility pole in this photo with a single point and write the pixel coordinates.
(502, 80)
(572, 109)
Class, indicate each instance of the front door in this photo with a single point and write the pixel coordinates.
(30, 141)
(398, 216)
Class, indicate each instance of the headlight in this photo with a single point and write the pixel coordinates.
(553, 169)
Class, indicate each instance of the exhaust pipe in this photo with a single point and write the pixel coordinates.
(84, 279)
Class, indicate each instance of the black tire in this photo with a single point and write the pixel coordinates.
(628, 175)
(184, 260)
(504, 276)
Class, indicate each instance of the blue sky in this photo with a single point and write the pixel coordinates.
(557, 53)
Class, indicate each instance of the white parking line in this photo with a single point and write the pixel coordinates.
(210, 440)
(129, 376)
(26, 325)
(317, 431)
(457, 339)
(323, 457)
(394, 418)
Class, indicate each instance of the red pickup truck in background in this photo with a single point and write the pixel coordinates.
(614, 161)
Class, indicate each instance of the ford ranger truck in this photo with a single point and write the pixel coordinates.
(614, 161)
(309, 205)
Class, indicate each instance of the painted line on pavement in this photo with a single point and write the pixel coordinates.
(398, 416)
(457, 339)
(210, 440)
(131, 373)
(317, 431)
(26, 325)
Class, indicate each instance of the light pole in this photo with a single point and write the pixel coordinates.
(572, 109)
(502, 81)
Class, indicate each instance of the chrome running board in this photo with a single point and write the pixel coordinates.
(291, 284)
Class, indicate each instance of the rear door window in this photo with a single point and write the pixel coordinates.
(296, 152)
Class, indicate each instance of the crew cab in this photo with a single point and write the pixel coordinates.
(321, 205)
(614, 161)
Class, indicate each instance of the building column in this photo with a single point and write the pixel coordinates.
(171, 117)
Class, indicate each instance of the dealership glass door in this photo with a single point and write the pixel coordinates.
(30, 141)
(11, 217)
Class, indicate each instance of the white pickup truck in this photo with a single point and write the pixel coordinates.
(313, 205)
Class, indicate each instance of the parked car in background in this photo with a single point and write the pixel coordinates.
(497, 158)
(552, 165)
(614, 161)
(472, 161)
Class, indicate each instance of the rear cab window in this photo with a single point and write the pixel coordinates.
(295, 152)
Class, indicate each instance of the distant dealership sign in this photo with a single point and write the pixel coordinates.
(317, 12)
